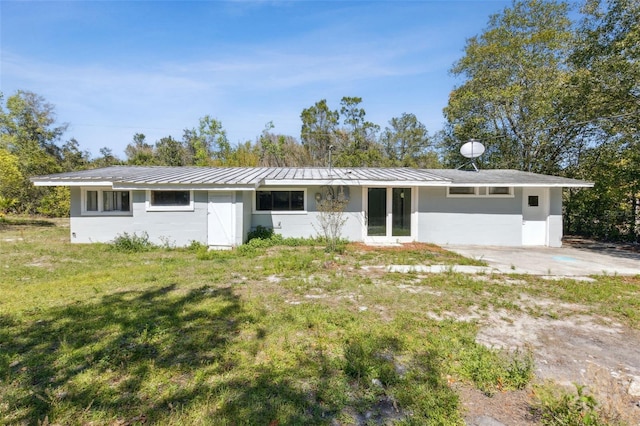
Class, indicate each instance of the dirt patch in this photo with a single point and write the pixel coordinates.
(575, 349)
(509, 408)
(424, 247)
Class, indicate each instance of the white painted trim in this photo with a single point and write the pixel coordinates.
(71, 183)
(181, 187)
(477, 193)
(254, 210)
(389, 216)
(525, 185)
(354, 182)
(151, 208)
(100, 211)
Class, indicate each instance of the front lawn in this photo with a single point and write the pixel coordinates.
(272, 336)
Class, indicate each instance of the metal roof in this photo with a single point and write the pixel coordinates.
(506, 177)
(132, 177)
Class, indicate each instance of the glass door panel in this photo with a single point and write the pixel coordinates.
(377, 212)
(401, 212)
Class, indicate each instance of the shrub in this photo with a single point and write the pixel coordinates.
(196, 246)
(556, 406)
(261, 232)
(132, 243)
(491, 370)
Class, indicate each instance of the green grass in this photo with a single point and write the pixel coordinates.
(260, 335)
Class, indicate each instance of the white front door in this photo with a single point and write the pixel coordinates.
(535, 211)
(221, 219)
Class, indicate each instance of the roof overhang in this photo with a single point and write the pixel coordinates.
(75, 182)
(351, 182)
(525, 185)
(129, 186)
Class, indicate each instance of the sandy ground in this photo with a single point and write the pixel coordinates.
(570, 347)
(578, 349)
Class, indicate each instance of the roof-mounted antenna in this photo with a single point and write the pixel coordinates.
(331, 147)
(472, 150)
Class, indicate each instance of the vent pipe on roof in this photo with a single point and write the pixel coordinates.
(331, 147)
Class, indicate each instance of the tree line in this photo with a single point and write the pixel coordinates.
(544, 92)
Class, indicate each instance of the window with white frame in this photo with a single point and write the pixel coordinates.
(280, 200)
(170, 200)
(475, 191)
(462, 190)
(106, 201)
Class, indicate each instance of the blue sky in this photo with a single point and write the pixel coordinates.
(155, 67)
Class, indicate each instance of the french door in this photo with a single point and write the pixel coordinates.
(389, 214)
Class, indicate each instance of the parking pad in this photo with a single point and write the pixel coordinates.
(552, 261)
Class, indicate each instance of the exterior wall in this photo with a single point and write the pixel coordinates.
(473, 220)
(440, 219)
(247, 197)
(177, 228)
(554, 224)
(305, 224)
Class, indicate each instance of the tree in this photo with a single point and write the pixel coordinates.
(245, 155)
(280, 150)
(207, 145)
(139, 152)
(319, 124)
(169, 152)
(10, 180)
(72, 157)
(406, 143)
(28, 132)
(357, 145)
(606, 103)
(29, 123)
(515, 74)
(106, 158)
(331, 219)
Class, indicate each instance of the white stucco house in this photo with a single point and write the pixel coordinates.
(218, 206)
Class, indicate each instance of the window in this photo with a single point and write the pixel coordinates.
(480, 192)
(106, 201)
(92, 201)
(115, 201)
(499, 190)
(534, 201)
(279, 200)
(462, 190)
(168, 200)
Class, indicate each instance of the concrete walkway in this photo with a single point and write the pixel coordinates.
(564, 261)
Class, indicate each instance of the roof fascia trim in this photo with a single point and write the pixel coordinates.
(180, 187)
(526, 185)
(351, 182)
(64, 182)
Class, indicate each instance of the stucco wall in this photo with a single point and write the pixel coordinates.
(177, 228)
(305, 224)
(441, 219)
(475, 220)
(554, 223)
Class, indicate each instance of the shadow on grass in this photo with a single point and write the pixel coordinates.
(8, 222)
(135, 357)
(174, 356)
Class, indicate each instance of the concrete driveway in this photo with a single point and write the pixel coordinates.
(578, 260)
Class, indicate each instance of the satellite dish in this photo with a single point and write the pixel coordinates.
(472, 149)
